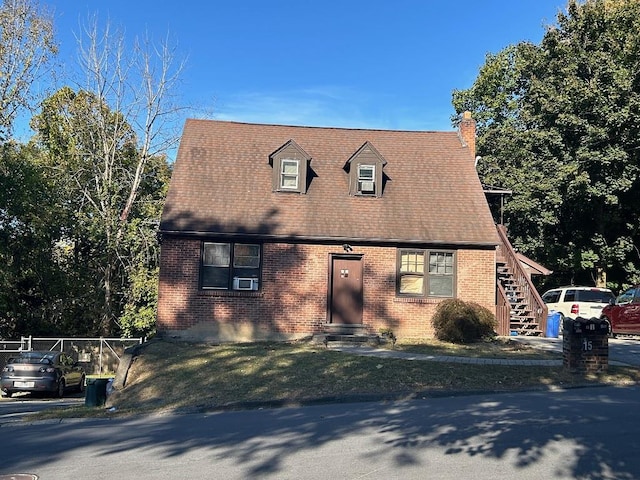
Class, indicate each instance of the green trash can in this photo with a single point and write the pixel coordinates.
(96, 392)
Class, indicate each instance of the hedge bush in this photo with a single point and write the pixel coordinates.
(457, 321)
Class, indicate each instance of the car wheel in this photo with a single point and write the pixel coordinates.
(81, 385)
(61, 387)
(609, 329)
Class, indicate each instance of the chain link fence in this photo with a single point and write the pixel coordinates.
(98, 356)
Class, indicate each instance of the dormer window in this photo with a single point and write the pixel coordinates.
(289, 174)
(365, 172)
(290, 166)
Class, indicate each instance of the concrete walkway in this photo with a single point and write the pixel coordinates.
(622, 352)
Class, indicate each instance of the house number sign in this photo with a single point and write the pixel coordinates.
(587, 345)
(344, 273)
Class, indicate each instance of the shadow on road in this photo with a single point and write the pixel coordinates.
(522, 429)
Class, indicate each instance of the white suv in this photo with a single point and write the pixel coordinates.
(585, 302)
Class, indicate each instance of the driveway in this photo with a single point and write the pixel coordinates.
(622, 349)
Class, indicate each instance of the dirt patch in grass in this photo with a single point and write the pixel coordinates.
(183, 377)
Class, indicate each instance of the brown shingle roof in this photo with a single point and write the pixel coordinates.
(222, 184)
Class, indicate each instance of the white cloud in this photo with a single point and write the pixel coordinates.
(327, 107)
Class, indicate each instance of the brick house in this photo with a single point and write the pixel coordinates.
(282, 232)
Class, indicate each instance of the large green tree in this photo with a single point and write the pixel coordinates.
(106, 143)
(93, 157)
(80, 204)
(30, 280)
(33, 284)
(559, 126)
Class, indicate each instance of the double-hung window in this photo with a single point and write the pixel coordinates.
(425, 273)
(441, 273)
(230, 266)
(411, 275)
(366, 179)
(289, 174)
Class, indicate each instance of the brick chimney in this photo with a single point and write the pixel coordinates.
(468, 132)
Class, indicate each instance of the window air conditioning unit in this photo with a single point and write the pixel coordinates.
(245, 283)
(367, 186)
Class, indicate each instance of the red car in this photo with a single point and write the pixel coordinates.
(623, 315)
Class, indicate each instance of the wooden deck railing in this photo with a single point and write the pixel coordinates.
(503, 312)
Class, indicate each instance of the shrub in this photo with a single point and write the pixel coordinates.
(457, 321)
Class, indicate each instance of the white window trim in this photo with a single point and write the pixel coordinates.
(368, 179)
(284, 175)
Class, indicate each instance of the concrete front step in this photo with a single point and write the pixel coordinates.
(352, 340)
(346, 339)
(344, 329)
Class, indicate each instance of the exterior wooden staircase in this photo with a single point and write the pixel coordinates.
(519, 307)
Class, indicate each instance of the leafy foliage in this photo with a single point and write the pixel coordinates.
(29, 230)
(80, 203)
(559, 126)
(458, 321)
(91, 155)
(26, 48)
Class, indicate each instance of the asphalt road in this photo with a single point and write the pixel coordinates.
(22, 404)
(590, 433)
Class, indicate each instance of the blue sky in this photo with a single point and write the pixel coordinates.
(342, 63)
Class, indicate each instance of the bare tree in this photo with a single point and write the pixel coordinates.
(105, 136)
(139, 83)
(26, 49)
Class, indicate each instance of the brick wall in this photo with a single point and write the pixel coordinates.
(585, 352)
(292, 301)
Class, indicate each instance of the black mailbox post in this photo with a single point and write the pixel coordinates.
(585, 344)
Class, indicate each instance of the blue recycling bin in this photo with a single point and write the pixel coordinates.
(553, 324)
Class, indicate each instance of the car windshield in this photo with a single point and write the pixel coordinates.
(551, 297)
(34, 357)
(627, 296)
(594, 296)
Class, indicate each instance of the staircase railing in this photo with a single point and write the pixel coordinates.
(503, 312)
(528, 290)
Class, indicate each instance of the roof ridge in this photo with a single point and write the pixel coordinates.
(318, 127)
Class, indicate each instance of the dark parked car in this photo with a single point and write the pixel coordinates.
(623, 314)
(47, 372)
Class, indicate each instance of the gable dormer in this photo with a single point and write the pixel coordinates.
(365, 172)
(290, 165)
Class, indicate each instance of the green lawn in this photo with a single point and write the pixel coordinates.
(173, 376)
